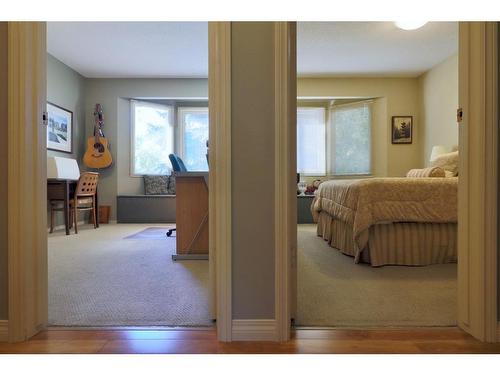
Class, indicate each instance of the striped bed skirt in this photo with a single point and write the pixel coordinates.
(409, 244)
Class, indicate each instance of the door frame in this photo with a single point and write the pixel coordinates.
(27, 248)
(27, 189)
(477, 192)
(478, 180)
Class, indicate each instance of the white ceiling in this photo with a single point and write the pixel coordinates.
(372, 48)
(180, 49)
(131, 49)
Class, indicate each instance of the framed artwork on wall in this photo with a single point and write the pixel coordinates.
(402, 129)
(59, 129)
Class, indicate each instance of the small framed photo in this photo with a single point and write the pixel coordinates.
(402, 129)
(59, 129)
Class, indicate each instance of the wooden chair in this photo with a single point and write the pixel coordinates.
(84, 199)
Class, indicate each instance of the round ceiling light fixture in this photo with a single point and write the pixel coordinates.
(410, 25)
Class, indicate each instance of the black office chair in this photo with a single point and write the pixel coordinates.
(177, 166)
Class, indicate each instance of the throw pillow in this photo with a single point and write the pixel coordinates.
(155, 185)
(449, 162)
(426, 172)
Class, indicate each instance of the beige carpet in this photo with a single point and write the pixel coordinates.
(101, 278)
(333, 291)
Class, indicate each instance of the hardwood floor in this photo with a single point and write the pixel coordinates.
(425, 340)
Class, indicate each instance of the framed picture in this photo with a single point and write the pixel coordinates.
(59, 129)
(402, 129)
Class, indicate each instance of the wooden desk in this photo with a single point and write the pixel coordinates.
(191, 210)
(64, 190)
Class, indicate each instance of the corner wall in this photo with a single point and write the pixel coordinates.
(113, 95)
(439, 103)
(393, 97)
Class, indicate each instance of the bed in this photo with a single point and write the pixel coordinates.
(390, 221)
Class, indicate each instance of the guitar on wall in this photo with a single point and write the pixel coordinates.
(97, 154)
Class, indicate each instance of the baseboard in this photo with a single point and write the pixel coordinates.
(254, 330)
(4, 330)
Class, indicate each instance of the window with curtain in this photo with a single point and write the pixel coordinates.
(152, 138)
(350, 139)
(311, 142)
(336, 142)
(194, 135)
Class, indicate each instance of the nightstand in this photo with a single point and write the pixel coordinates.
(304, 209)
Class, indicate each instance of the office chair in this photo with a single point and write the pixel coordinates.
(177, 166)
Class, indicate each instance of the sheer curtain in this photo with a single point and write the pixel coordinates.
(311, 141)
(350, 139)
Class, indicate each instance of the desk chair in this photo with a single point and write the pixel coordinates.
(178, 166)
(84, 199)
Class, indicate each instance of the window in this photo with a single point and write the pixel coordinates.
(193, 125)
(152, 138)
(350, 134)
(311, 141)
(335, 142)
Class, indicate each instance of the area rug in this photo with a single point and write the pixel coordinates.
(104, 277)
(334, 291)
(150, 233)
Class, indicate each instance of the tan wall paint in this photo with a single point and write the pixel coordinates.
(113, 95)
(3, 167)
(252, 158)
(439, 95)
(395, 96)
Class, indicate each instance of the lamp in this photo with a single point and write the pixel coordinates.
(410, 24)
(62, 168)
(439, 150)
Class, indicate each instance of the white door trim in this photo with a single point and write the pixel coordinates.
(285, 197)
(477, 193)
(219, 35)
(27, 234)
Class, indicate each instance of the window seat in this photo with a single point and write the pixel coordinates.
(145, 208)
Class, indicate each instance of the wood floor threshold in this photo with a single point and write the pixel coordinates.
(130, 328)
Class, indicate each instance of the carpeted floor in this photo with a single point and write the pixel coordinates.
(102, 278)
(333, 291)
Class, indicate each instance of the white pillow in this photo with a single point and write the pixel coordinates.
(449, 162)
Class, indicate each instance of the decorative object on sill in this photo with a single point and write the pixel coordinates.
(302, 187)
(313, 187)
(59, 129)
(402, 129)
(97, 155)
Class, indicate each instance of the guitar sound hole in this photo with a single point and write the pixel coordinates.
(99, 147)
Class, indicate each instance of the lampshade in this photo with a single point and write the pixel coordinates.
(62, 168)
(439, 150)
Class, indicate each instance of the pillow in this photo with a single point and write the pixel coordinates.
(449, 162)
(171, 184)
(155, 185)
(448, 174)
(426, 172)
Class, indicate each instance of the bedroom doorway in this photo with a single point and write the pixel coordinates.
(347, 276)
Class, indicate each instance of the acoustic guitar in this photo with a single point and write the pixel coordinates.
(97, 154)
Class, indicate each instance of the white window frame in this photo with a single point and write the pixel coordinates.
(133, 103)
(331, 140)
(181, 126)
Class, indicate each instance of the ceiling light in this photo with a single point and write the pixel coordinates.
(410, 25)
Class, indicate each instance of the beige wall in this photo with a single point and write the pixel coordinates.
(394, 96)
(252, 158)
(439, 103)
(114, 95)
(3, 168)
